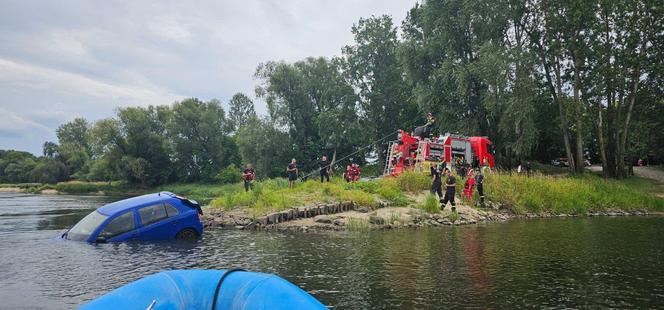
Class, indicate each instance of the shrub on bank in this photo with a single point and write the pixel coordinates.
(229, 175)
(82, 187)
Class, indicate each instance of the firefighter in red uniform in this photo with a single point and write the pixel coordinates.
(248, 177)
(348, 173)
(355, 172)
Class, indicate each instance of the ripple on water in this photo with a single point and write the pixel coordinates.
(556, 263)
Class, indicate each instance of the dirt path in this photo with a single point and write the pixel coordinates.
(650, 173)
(644, 172)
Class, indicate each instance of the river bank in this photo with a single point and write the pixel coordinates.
(353, 217)
(388, 203)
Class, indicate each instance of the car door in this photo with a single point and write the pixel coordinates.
(120, 228)
(155, 223)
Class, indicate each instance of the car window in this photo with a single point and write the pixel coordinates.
(86, 226)
(152, 214)
(119, 225)
(171, 210)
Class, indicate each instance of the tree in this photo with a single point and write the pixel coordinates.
(74, 133)
(50, 149)
(373, 68)
(199, 133)
(241, 110)
(268, 148)
(147, 152)
(315, 103)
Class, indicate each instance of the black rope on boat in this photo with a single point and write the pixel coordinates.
(221, 280)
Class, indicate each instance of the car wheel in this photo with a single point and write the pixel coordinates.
(186, 234)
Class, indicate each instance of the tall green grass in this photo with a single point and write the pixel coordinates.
(575, 195)
(430, 204)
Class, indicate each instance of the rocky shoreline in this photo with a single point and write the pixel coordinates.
(341, 216)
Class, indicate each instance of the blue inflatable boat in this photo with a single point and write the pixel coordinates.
(207, 289)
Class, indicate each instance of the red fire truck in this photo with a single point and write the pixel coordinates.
(416, 153)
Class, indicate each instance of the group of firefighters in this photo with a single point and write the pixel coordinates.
(473, 181)
(352, 173)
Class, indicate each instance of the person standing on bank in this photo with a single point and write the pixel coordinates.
(450, 190)
(436, 182)
(248, 176)
(479, 182)
(292, 171)
(324, 169)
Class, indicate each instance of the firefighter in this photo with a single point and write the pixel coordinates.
(348, 173)
(248, 177)
(324, 169)
(355, 172)
(292, 172)
(425, 130)
(436, 182)
(479, 183)
(468, 187)
(450, 190)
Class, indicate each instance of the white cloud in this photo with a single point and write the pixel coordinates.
(35, 77)
(64, 59)
(14, 125)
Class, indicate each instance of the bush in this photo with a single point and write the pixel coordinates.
(229, 175)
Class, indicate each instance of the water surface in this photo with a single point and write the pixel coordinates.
(557, 263)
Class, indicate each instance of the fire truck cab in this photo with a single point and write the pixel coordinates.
(415, 153)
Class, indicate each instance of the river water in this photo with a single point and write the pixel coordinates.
(557, 263)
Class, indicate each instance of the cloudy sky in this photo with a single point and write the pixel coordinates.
(65, 59)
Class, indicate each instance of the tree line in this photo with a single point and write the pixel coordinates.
(542, 79)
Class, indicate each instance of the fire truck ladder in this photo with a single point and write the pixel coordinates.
(420, 155)
(389, 166)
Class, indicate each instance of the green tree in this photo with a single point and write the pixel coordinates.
(373, 68)
(241, 110)
(201, 145)
(146, 155)
(268, 148)
(313, 100)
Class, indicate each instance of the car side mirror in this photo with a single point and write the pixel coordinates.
(100, 240)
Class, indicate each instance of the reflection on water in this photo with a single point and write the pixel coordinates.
(607, 262)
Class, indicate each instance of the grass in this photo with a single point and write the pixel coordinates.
(453, 216)
(357, 224)
(430, 204)
(572, 195)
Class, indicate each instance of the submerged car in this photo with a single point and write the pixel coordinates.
(159, 216)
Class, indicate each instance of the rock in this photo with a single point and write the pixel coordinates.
(339, 222)
(363, 210)
(376, 220)
(324, 220)
(262, 220)
(239, 227)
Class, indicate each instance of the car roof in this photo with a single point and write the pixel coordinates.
(127, 204)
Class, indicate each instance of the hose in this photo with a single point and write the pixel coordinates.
(305, 177)
(221, 280)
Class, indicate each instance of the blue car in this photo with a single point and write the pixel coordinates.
(160, 216)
